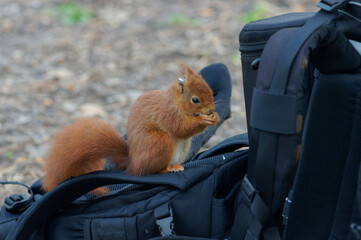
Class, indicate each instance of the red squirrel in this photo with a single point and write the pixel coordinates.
(160, 126)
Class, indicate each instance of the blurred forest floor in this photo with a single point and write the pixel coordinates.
(62, 60)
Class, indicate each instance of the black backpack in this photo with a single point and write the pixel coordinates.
(302, 79)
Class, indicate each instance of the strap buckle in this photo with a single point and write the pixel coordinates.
(257, 205)
(164, 219)
(18, 203)
(331, 5)
(253, 215)
(286, 207)
(248, 190)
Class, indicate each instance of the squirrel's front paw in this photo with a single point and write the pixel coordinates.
(211, 119)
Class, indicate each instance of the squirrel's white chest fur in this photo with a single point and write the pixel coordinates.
(180, 151)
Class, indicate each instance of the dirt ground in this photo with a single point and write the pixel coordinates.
(55, 68)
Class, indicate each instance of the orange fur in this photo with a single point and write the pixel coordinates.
(81, 148)
(159, 127)
(161, 118)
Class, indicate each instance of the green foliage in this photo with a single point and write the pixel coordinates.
(180, 19)
(259, 12)
(236, 59)
(9, 155)
(70, 14)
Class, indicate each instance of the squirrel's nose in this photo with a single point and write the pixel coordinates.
(211, 111)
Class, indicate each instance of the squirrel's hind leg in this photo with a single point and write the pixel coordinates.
(150, 154)
(173, 168)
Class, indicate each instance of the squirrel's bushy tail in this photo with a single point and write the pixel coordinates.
(82, 148)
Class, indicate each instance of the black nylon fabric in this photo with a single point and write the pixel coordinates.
(271, 119)
(356, 212)
(325, 187)
(258, 32)
(335, 55)
(279, 77)
(348, 20)
(286, 156)
(329, 50)
(252, 40)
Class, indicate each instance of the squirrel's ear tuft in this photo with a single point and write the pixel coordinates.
(185, 69)
(187, 74)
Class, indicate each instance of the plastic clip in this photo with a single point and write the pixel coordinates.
(164, 220)
(247, 189)
(18, 203)
(331, 5)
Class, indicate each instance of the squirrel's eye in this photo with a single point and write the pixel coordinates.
(195, 100)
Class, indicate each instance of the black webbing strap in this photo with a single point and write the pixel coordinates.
(355, 225)
(272, 233)
(67, 192)
(253, 216)
(279, 109)
(331, 5)
(253, 141)
(265, 165)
